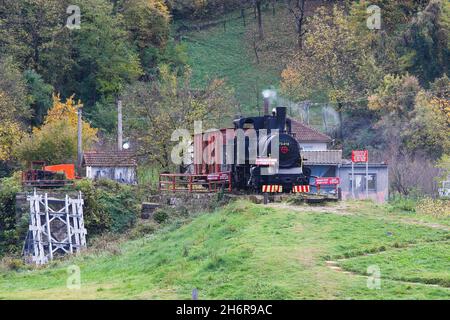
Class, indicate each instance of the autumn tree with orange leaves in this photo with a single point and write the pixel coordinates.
(56, 140)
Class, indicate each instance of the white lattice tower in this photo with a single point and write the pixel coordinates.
(44, 213)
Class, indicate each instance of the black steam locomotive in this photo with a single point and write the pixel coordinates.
(290, 176)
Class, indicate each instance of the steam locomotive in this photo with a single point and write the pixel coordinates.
(272, 131)
(266, 156)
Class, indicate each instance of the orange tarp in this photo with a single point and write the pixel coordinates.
(68, 169)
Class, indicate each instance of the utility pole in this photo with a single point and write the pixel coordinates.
(119, 125)
(80, 141)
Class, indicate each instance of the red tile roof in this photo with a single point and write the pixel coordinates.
(109, 159)
(305, 133)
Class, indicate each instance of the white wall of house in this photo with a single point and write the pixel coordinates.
(313, 146)
(119, 174)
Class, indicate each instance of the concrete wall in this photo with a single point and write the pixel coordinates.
(378, 189)
(119, 174)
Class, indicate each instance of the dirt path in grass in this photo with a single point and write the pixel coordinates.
(344, 209)
(335, 265)
(424, 224)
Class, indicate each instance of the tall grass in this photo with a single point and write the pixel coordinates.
(148, 175)
(399, 202)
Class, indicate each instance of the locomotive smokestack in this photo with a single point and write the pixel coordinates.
(281, 118)
(266, 105)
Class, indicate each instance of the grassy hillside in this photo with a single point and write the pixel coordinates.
(227, 52)
(248, 251)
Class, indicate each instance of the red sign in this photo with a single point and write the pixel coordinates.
(328, 181)
(217, 176)
(360, 156)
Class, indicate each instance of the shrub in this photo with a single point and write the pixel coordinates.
(161, 216)
(109, 206)
(141, 230)
(11, 264)
(11, 232)
(403, 203)
(434, 207)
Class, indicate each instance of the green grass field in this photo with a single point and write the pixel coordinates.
(249, 251)
(226, 53)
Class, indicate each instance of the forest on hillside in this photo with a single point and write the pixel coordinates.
(388, 85)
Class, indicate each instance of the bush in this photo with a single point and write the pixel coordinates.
(11, 232)
(403, 203)
(434, 207)
(11, 264)
(161, 216)
(107, 243)
(141, 230)
(109, 206)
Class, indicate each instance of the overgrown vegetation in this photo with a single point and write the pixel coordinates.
(385, 90)
(435, 207)
(109, 206)
(12, 229)
(253, 251)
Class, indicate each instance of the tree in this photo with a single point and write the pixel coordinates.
(13, 93)
(39, 96)
(94, 61)
(424, 45)
(297, 9)
(194, 9)
(11, 134)
(429, 130)
(444, 165)
(155, 110)
(14, 111)
(148, 23)
(33, 31)
(412, 120)
(334, 64)
(56, 140)
(105, 62)
(257, 4)
(395, 96)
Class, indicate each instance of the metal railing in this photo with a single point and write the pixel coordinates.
(195, 183)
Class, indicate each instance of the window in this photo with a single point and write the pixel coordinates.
(360, 182)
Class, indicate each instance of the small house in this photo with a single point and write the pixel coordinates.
(309, 138)
(377, 181)
(329, 163)
(119, 166)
